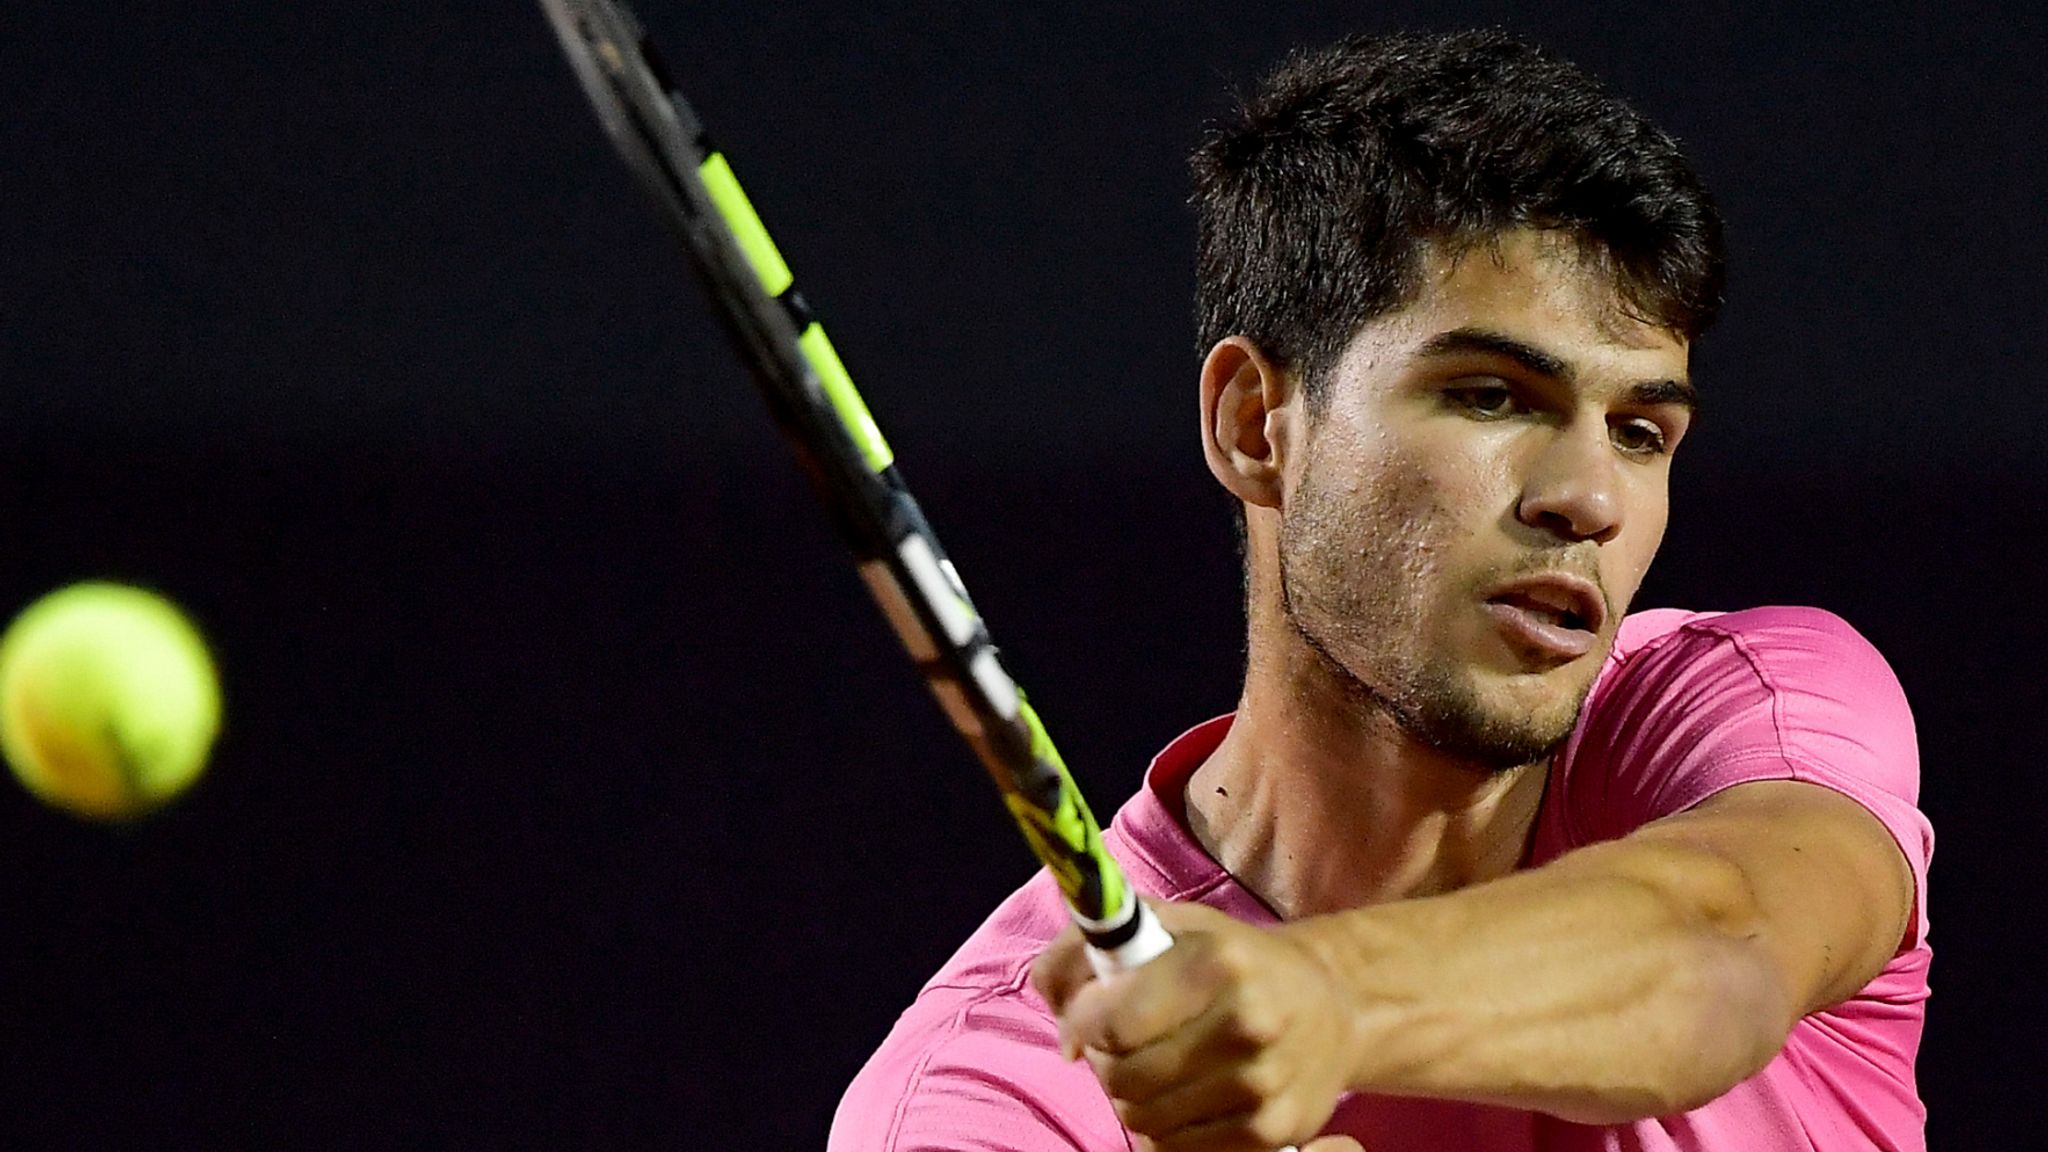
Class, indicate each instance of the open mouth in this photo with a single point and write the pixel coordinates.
(1550, 617)
(1557, 616)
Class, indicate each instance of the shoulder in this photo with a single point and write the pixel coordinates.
(1777, 633)
(1811, 673)
(974, 1063)
(1692, 702)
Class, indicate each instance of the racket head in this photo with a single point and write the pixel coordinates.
(662, 140)
(625, 82)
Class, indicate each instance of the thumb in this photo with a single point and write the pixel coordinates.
(1333, 1144)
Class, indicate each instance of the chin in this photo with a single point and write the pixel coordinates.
(1521, 717)
(1494, 722)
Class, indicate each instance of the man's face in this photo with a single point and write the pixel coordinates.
(1480, 494)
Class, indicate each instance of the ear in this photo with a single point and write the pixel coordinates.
(1248, 420)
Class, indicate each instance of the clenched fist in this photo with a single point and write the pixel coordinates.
(1238, 1039)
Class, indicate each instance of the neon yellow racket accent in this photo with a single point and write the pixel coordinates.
(1067, 832)
(745, 223)
(853, 411)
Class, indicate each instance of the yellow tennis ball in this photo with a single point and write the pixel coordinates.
(108, 700)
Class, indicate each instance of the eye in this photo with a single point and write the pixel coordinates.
(1639, 438)
(1488, 401)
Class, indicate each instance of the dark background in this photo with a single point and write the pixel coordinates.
(572, 795)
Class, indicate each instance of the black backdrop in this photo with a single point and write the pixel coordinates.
(571, 794)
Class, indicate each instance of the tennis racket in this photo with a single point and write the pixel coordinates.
(851, 465)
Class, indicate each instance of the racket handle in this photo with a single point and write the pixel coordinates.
(1147, 941)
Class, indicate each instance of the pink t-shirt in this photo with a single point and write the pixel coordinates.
(1686, 705)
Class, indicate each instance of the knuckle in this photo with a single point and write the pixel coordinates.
(1275, 1122)
(1131, 1116)
(1260, 1079)
(1256, 1023)
(1121, 1079)
(1123, 1030)
(1138, 1117)
(1236, 956)
(1041, 977)
(1050, 979)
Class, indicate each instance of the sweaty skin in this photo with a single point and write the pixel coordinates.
(1380, 783)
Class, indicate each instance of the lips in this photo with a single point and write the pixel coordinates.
(1556, 615)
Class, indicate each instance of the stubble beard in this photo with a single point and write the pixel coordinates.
(1355, 584)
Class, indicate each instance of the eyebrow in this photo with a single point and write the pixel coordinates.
(1536, 360)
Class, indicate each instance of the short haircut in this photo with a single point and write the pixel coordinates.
(1320, 197)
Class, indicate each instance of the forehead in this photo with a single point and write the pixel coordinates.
(1539, 288)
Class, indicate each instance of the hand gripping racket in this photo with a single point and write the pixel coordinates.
(851, 465)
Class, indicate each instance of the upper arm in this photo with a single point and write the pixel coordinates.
(1825, 895)
(1774, 751)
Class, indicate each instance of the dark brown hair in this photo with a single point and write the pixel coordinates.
(1318, 200)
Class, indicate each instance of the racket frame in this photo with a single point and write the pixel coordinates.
(827, 423)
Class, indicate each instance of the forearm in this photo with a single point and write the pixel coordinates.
(1619, 982)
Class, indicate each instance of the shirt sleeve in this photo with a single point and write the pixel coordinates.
(1766, 694)
(974, 1073)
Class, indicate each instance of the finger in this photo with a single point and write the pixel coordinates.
(1276, 1124)
(1333, 1144)
(1209, 1043)
(1062, 969)
(1132, 1009)
(1225, 1094)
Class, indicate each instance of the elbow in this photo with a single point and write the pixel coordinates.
(1712, 1011)
(1739, 1012)
(1724, 1015)
(1728, 1002)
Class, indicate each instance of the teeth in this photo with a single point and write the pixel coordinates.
(1557, 617)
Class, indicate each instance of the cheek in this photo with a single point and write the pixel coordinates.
(1446, 495)
(1392, 522)
(1426, 509)
(1364, 532)
(1400, 506)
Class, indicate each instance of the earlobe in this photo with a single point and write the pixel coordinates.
(1245, 413)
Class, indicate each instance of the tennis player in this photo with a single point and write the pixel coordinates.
(1480, 862)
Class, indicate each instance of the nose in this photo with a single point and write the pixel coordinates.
(1573, 487)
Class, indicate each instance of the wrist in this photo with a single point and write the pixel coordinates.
(1355, 954)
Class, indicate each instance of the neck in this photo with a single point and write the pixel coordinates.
(1319, 801)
